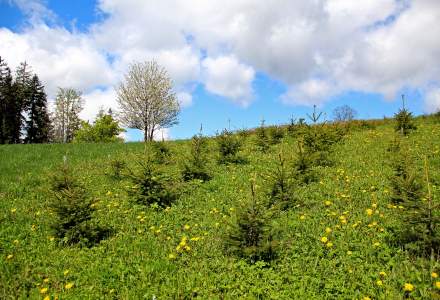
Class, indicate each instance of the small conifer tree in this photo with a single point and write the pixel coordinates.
(195, 167)
(73, 210)
(303, 165)
(281, 194)
(151, 187)
(404, 120)
(162, 152)
(251, 235)
(276, 134)
(262, 141)
(229, 146)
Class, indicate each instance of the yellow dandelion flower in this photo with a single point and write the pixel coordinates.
(46, 280)
(186, 227)
(66, 272)
(10, 256)
(374, 205)
(328, 203)
(349, 252)
(324, 239)
(187, 248)
(171, 256)
(302, 217)
(68, 286)
(437, 284)
(13, 210)
(43, 290)
(366, 298)
(379, 282)
(382, 273)
(328, 230)
(408, 287)
(51, 238)
(376, 244)
(195, 239)
(46, 298)
(329, 244)
(16, 242)
(369, 211)
(434, 275)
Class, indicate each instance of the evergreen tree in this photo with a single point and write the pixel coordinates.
(38, 123)
(11, 109)
(3, 73)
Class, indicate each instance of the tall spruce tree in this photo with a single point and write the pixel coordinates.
(22, 90)
(3, 73)
(38, 123)
(11, 109)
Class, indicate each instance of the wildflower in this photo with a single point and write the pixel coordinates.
(374, 205)
(46, 280)
(376, 244)
(369, 211)
(66, 272)
(408, 287)
(366, 298)
(302, 217)
(329, 245)
(16, 242)
(68, 286)
(324, 239)
(171, 256)
(186, 227)
(437, 284)
(379, 282)
(328, 230)
(349, 252)
(434, 275)
(46, 298)
(13, 210)
(43, 290)
(382, 274)
(10, 256)
(51, 238)
(195, 239)
(328, 203)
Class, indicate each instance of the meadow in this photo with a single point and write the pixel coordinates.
(334, 243)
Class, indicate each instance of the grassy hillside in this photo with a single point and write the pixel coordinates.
(139, 260)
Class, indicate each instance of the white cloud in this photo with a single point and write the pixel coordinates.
(226, 76)
(184, 98)
(96, 100)
(372, 46)
(432, 100)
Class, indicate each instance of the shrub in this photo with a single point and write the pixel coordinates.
(73, 208)
(105, 129)
(251, 235)
(195, 167)
(151, 187)
(229, 146)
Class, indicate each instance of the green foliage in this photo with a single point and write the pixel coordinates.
(116, 167)
(105, 129)
(276, 134)
(229, 146)
(404, 182)
(162, 153)
(303, 166)
(262, 139)
(195, 167)
(282, 186)
(251, 235)
(151, 187)
(73, 208)
(404, 122)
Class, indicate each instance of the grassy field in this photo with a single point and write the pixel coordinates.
(139, 260)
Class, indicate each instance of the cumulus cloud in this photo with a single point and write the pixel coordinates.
(318, 49)
(432, 100)
(226, 76)
(96, 100)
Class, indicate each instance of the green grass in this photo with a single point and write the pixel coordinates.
(135, 262)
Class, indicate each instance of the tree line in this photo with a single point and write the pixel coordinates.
(25, 115)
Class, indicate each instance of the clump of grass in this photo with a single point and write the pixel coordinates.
(251, 235)
(73, 208)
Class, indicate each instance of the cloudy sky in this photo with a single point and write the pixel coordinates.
(235, 61)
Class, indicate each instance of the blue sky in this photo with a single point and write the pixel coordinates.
(239, 62)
